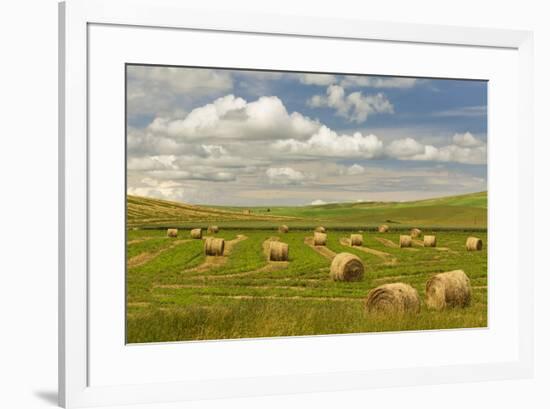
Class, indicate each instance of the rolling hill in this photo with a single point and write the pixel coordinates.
(462, 212)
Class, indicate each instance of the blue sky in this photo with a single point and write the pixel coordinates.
(237, 137)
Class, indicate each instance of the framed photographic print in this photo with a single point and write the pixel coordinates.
(271, 203)
(242, 215)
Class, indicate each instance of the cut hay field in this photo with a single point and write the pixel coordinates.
(176, 293)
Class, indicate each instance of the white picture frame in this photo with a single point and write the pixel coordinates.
(75, 388)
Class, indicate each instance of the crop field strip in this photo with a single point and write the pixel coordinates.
(171, 298)
(467, 212)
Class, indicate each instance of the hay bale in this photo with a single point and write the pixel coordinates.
(319, 239)
(356, 239)
(451, 289)
(283, 229)
(416, 233)
(430, 241)
(395, 298)
(320, 229)
(474, 244)
(196, 234)
(384, 228)
(278, 251)
(213, 229)
(405, 241)
(172, 232)
(347, 267)
(214, 246)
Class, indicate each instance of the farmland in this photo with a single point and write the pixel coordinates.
(177, 293)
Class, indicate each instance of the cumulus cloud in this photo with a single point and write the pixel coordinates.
(198, 132)
(404, 148)
(327, 143)
(466, 140)
(410, 149)
(355, 106)
(232, 118)
(377, 82)
(150, 187)
(355, 169)
(284, 176)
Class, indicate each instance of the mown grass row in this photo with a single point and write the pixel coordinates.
(169, 301)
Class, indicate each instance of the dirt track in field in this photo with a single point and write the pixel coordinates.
(387, 257)
(275, 297)
(143, 258)
(387, 242)
(269, 267)
(322, 250)
(217, 261)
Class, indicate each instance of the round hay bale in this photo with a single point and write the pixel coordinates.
(213, 229)
(395, 298)
(196, 234)
(319, 239)
(320, 229)
(214, 246)
(416, 233)
(356, 239)
(347, 267)
(405, 241)
(430, 241)
(474, 244)
(384, 228)
(451, 289)
(283, 229)
(172, 232)
(278, 251)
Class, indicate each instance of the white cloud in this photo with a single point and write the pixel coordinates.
(410, 149)
(404, 148)
(327, 143)
(378, 82)
(466, 140)
(453, 153)
(231, 118)
(355, 107)
(151, 187)
(284, 176)
(355, 169)
(317, 79)
(318, 202)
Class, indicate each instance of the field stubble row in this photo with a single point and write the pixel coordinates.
(170, 299)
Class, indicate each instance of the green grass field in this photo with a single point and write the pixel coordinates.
(176, 293)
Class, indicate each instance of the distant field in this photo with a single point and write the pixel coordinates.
(175, 293)
(466, 212)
